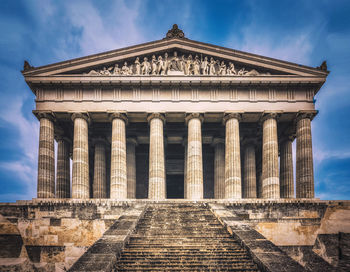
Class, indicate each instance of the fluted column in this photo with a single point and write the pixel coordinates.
(249, 171)
(233, 182)
(80, 175)
(63, 168)
(118, 157)
(286, 168)
(304, 163)
(194, 168)
(270, 173)
(100, 181)
(131, 166)
(46, 160)
(157, 186)
(219, 168)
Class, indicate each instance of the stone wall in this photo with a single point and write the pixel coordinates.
(51, 235)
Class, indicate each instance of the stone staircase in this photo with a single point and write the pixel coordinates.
(182, 237)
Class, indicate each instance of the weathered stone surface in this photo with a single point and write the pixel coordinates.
(249, 172)
(304, 163)
(80, 173)
(157, 186)
(194, 169)
(270, 175)
(46, 161)
(286, 169)
(118, 158)
(233, 181)
(99, 185)
(63, 169)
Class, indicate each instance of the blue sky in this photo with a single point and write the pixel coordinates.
(43, 32)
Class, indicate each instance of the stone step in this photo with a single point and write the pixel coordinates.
(182, 238)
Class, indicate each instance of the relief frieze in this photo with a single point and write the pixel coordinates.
(187, 64)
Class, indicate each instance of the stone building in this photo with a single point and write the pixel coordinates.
(181, 157)
(175, 118)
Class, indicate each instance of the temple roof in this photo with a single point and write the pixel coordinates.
(183, 57)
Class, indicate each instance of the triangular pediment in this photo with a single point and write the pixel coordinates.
(175, 56)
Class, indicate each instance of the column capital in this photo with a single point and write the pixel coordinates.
(286, 138)
(45, 114)
(192, 115)
(218, 140)
(132, 140)
(118, 115)
(83, 115)
(155, 115)
(230, 115)
(270, 115)
(306, 115)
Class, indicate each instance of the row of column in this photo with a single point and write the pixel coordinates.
(275, 181)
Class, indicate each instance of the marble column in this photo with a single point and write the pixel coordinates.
(63, 168)
(270, 173)
(46, 160)
(233, 182)
(219, 168)
(194, 168)
(99, 185)
(249, 171)
(118, 157)
(304, 163)
(131, 144)
(80, 175)
(286, 168)
(157, 185)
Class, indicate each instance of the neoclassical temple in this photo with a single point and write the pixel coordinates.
(175, 118)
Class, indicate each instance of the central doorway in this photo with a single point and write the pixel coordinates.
(175, 171)
(175, 186)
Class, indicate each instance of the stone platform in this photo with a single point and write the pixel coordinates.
(52, 234)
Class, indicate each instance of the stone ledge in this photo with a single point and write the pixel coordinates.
(267, 256)
(103, 254)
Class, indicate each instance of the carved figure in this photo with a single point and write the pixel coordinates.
(222, 69)
(182, 63)
(154, 65)
(231, 69)
(116, 69)
(242, 72)
(196, 66)
(252, 73)
(105, 72)
(188, 65)
(145, 67)
(212, 67)
(174, 63)
(205, 66)
(137, 66)
(93, 73)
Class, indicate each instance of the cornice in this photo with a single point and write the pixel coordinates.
(185, 44)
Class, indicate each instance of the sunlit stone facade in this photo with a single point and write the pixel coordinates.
(175, 118)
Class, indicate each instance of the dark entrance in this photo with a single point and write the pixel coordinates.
(175, 171)
(175, 186)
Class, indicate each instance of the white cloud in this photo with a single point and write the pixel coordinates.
(101, 32)
(24, 168)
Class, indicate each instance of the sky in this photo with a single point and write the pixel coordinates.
(44, 32)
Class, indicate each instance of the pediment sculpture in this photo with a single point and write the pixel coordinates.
(175, 65)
